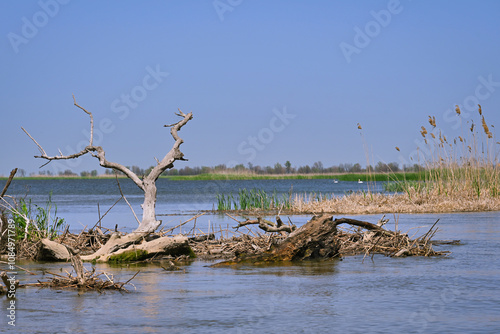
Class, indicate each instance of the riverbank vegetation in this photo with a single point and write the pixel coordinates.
(459, 174)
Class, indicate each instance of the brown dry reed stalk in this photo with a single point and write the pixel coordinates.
(463, 175)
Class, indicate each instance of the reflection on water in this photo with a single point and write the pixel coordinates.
(454, 294)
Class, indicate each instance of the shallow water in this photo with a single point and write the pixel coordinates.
(453, 294)
(77, 200)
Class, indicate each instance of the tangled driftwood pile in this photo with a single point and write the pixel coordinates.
(81, 279)
(320, 238)
(226, 248)
(85, 242)
(84, 280)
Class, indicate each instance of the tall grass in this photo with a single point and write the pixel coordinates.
(461, 173)
(254, 199)
(466, 166)
(33, 222)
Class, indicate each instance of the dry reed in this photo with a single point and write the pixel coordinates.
(462, 175)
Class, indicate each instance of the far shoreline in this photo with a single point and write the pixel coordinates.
(398, 176)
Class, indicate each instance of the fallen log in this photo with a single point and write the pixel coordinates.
(319, 238)
(52, 251)
(316, 239)
(135, 247)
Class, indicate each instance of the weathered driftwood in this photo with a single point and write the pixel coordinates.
(3, 217)
(9, 180)
(147, 184)
(99, 246)
(267, 225)
(316, 239)
(320, 238)
(135, 247)
(77, 264)
(84, 280)
(52, 251)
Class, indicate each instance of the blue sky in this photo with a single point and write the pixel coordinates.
(267, 81)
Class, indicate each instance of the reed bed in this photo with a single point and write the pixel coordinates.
(253, 199)
(461, 174)
(416, 202)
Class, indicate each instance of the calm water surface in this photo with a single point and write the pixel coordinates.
(77, 200)
(454, 294)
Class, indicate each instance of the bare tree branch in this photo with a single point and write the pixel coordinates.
(123, 196)
(9, 180)
(267, 225)
(174, 153)
(91, 120)
(38, 145)
(89, 149)
(149, 222)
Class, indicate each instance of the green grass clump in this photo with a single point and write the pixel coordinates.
(33, 222)
(403, 186)
(253, 199)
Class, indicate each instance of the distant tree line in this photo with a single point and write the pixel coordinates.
(287, 168)
(278, 168)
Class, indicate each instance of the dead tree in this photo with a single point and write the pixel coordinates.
(148, 183)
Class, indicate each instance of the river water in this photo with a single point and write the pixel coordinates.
(457, 293)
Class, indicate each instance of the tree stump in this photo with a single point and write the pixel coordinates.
(315, 240)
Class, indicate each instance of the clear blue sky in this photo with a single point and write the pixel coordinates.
(296, 76)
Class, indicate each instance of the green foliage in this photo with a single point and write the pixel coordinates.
(253, 199)
(403, 186)
(34, 222)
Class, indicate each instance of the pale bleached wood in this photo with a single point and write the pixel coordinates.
(149, 222)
